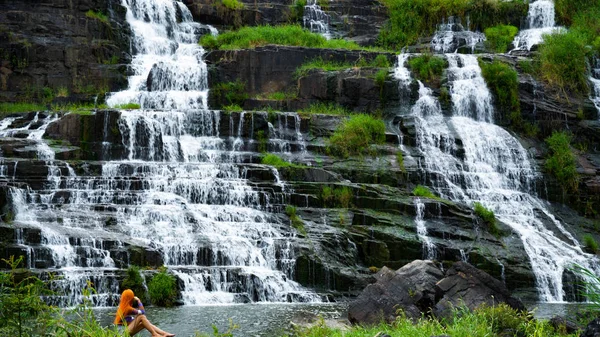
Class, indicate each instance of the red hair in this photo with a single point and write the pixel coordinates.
(124, 306)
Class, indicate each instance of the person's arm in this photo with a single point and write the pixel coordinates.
(140, 307)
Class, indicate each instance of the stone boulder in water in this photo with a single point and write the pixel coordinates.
(410, 288)
(420, 287)
(465, 285)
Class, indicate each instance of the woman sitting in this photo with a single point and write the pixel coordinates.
(135, 318)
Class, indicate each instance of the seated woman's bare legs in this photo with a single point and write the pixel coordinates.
(141, 322)
(162, 332)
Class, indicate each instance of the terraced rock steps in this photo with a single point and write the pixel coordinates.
(150, 188)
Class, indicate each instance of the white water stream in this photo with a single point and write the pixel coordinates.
(315, 19)
(451, 35)
(540, 21)
(494, 170)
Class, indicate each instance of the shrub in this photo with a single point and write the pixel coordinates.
(561, 161)
(287, 35)
(274, 160)
(380, 61)
(279, 96)
(590, 243)
(325, 108)
(422, 191)
(230, 93)
(499, 37)
(428, 68)
(233, 4)
(297, 10)
(262, 140)
(162, 289)
(411, 19)
(381, 76)
(502, 80)
(62, 92)
(562, 59)
(355, 135)
(133, 280)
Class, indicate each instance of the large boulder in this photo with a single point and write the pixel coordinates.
(410, 288)
(467, 286)
(420, 287)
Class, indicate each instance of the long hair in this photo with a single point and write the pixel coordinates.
(124, 306)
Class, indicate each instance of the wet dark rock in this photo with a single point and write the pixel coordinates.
(563, 325)
(420, 287)
(592, 329)
(410, 288)
(54, 44)
(465, 285)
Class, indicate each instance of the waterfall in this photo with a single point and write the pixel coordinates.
(451, 35)
(467, 159)
(595, 81)
(167, 65)
(315, 19)
(428, 246)
(540, 21)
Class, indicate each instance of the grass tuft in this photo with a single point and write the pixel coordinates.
(423, 191)
(233, 4)
(590, 244)
(324, 108)
(128, 106)
(162, 289)
(9, 108)
(499, 37)
(561, 162)
(428, 68)
(356, 134)
(97, 16)
(286, 35)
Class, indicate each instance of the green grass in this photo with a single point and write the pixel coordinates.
(488, 217)
(381, 76)
(400, 161)
(412, 19)
(133, 280)
(381, 61)
(275, 160)
(499, 37)
(340, 197)
(356, 134)
(97, 16)
(485, 321)
(297, 11)
(324, 108)
(423, 191)
(428, 68)
(590, 244)
(233, 4)
(229, 93)
(162, 289)
(9, 108)
(295, 219)
(502, 80)
(233, 108)
(128, 106)
(286, 35)
(279, 96)
(561, 162)
(562, 62)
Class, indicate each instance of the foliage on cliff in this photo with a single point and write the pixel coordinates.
(286, 35)
(561, 163)
(355, 135)
(412, 19)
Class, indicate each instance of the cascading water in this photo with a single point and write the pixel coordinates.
(451, 35)
(540, 21)
(179, 190)
(428, 246)
(168, 69)
(494, 169)
(315, 19)
(595, 81)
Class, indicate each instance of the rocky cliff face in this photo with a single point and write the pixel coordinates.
(79, 47)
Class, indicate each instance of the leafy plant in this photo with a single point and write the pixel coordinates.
(499, 37)
(428, 68)
(162, 289)
(230, 93)
(488, 217)
(275, 160)
(295, 219)
(562, 60)
(356, 134)
(380, 77)
(561, 162)
(336, 197)
(324, 108)
(381, 61)
(62, 92)
(502, 80)
(400, 161)
(135, 281)
(262, 140)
